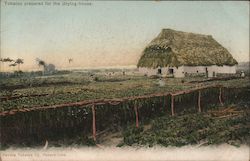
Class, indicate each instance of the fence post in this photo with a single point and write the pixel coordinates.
(172, 105)
(220, 97)
(136, 115)
(93, 122)
(166, 103)
(199, 101)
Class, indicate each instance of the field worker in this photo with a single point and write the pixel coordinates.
(161, 82)
(242, 74)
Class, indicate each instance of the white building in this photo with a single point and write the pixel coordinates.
(179, 54)
(210, 71)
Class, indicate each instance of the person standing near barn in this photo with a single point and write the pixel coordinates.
(242, 74)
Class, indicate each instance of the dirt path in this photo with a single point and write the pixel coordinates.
(110, 139)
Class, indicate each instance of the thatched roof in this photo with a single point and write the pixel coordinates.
(176, 48)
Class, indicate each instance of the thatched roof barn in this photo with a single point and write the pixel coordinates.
(176, 48)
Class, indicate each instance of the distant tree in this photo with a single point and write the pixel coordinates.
(19, 62)
(70, 60)
(41, 63)
(4, 60)
(1, 60)
(13, 65)
(7, 60)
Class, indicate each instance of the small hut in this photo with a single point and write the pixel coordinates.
(180, 53)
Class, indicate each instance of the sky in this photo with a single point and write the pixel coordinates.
(113, 33)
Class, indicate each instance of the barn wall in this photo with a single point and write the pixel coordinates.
(164, 70)
(194, 69)
(148, 71)
(151, 71)
(225, 69)
(214, 68)
(178, 72)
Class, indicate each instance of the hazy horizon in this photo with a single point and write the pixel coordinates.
(110, 33)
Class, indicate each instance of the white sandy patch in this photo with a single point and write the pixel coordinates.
(188, 153)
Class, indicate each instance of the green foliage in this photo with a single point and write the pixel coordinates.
(64, 89)
(96, 79)
(191, 129)
(132, 135)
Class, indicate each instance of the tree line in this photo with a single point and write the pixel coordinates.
(12, 62)
(18, 62)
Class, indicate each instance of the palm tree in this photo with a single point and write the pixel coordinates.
(1, 60)
(18, 62)
(6, 60)
(41, 63)
(70, 60)
(12, 65)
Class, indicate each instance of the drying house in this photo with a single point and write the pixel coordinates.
(178, 54)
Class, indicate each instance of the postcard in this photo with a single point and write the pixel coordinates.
(124, 80)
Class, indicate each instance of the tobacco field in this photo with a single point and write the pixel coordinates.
(78, 108)
(220, 125)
